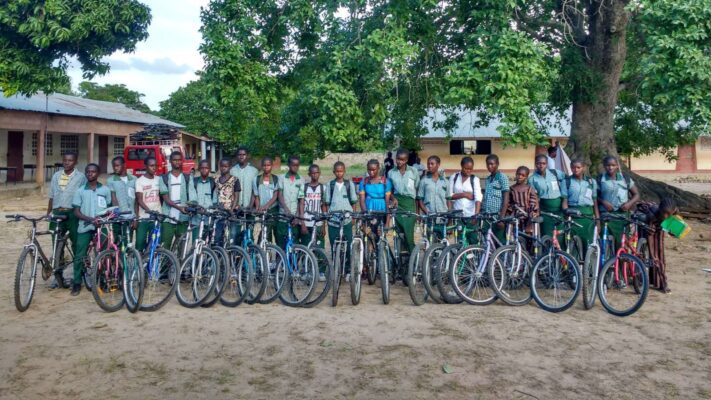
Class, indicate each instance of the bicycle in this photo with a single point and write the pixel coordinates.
(510, 266)
(275, 270)
(197, 275)
(320, 288)
(248, 282)
(624, 278)
(117, 272)
(338, 255)
(301, 270)
(160, 267)
(556, 278)
(213, 215)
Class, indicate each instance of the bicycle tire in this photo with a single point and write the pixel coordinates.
(511, 286)
(239, 277)
(556, 276)
(223, 267)
(336, 277)
(356, 270)
(87, 272)
(20, 272)
(592, 258)
(384, 267)
(320, 291)
(396, 259)
(444, 263)
(605, 284)
(276, 273)
(371, 261)
(187, 291)
(414, 275)
(576, 249)
(430, 273)
(59, 264)
(259, 267)
(154, 299)
(108, 279)
(302, 279)
(133, 287)
(466, 281)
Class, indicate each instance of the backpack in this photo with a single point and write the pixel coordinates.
(274, 179)
(458, 175)
(167, 184)
(347, 183)
(210, 179)
(587, 178)
(628, 182)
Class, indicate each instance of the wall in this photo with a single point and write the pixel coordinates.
(653, 162)
(703, 153)
(510, 157)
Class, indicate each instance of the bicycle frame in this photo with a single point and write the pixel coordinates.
(628, 245)
(153, 245)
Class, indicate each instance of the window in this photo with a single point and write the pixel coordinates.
(68, 143)
(119, 144)
(48, 151)
(140, 154)
(469, 147)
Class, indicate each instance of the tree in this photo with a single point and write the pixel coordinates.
(193, 106)
(38, 38)
(114, 93)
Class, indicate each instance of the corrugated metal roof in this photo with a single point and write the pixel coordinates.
(466, 127)
(63, 104)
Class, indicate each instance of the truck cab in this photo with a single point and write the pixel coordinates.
(136, 153)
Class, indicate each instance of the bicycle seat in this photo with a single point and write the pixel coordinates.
(571, 212)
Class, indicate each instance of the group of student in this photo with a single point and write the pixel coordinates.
(81, 198)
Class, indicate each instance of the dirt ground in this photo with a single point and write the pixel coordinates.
(66, 347)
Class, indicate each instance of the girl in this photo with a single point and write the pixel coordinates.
(617, 194)
(375, 190)
(550, 186)
(523, 196)
(581, 195)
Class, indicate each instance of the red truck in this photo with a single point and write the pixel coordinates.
(135, 153)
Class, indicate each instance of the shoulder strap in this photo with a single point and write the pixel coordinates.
(471, 181)
(567, 181)
(349, 188)
(165, 180)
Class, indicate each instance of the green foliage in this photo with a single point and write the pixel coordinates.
(37, 38)
(192, 106)
(114, 93)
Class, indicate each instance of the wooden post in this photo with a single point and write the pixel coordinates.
(39, 158)
(90, 144)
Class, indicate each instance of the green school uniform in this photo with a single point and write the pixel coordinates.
(90, 202)
(550, 189)
(246, 176)
(405, 190)
(582, 195)
(342, 199)
(617, 192)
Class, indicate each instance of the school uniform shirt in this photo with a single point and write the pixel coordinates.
(433, 193)
(150, 188)
(245, 176)
(227, 190)
(91, 203)
(313, 196)
(458, 184)
(125, 189)
(342, 199)
(180, 192)
(404, 184)
(206, 196)
(551, 186)
(292, 189)
(497, 186)
(63, 187)
(616, 191)
(265, 191)
(581, 193)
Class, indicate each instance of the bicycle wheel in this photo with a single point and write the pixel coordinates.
(415, 283)
(356, 269)
(87, 272)
(159, 279)
(197, 278)
(25, 277)
(239, 277)
(555, 281)
(320, 288)
(108, 281)
(469, 279)
(336, 275)
(258, 258)
(180, 247)
(133, 279)
(223, 268)
(430, 272)
(575, 249)
(276, 273)
(384, 267)
(302, 276)
(590, 266)
(509, 270)
(624, 289)
(371, 261)
(444, 284)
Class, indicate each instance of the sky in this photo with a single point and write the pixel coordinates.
(167, 60)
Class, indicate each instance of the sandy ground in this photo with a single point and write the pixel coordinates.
(65, 347)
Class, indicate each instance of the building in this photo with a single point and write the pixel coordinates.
(37, 130)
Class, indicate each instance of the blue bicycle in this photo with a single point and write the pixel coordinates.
(160, 267)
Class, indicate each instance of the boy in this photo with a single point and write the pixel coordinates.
(291, 199)
(228, 189)
(64, 185)
(88, 202)
(465, 191)
(496, 199)
(206, 195)
(147, 199)
(176, 189)
(581, 195)
(313, 200)
(123, 191)
(265, 192)
(550, 186)
(523, 196)
(405, 180)
(246, 173)
(340, 196)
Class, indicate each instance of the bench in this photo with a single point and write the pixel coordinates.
(7, 174)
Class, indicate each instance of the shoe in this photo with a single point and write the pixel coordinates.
(348, 278)
(76, 289)
(322, 277)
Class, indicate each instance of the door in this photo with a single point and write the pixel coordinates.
(104, 154)
(14, 156)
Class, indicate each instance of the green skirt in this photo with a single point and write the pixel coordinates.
(552, 206)
(585, 232)
(406, 224)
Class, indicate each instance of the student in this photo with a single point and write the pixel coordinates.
(465, 192)
(147, 199)
(552, 155)
(374, 190)
(550, 186)
(617, 194)
(205, 193)
(265, 192)
(655, 239)
(229, 189)
(64, 185)
(291, 200)
(177, 190)
(496, 197)
(246, 173)
(523, 196)
(432, 196)
(313, 200)
(123, 191)
(405, 180)
(340, 195)
(88, 202)
(581, 195)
